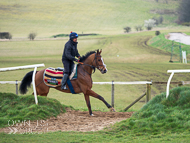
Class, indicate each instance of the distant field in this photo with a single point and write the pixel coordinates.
(127, 57)
(51, 17)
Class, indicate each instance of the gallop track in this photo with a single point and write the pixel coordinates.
(71, 121)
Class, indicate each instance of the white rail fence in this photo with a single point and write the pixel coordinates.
(12, 82)
(16, 82)
(148, 83)
(148, 92)
(170, 78)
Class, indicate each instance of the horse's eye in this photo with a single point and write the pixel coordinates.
(98, 60)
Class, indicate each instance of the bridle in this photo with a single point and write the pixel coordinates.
(98, 66)
(93, 67)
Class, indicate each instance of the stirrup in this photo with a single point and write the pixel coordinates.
(64, 87)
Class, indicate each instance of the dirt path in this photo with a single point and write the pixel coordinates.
(70, 121)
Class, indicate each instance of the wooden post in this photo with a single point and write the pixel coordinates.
(17, 87)
(112, 94)
(148, 92)
(134, 102)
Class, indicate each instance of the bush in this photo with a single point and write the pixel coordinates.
(157, 33)
(149, 24)
(5, 35)
(139, 28)
(32, 36)
(127, 29)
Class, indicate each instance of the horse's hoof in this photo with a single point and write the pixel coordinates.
(112, 109)
(92, 115)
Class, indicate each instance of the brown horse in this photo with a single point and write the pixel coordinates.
(83, 83)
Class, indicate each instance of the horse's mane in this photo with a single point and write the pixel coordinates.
(84, 57)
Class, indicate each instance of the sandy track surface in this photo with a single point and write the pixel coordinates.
(69, 121)
(180, 37)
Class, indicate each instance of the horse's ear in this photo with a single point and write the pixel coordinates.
(100, 51)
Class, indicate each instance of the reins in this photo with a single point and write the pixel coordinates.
(93, 67)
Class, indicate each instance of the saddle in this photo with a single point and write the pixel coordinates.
(52, 76)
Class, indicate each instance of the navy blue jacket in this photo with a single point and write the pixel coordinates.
(70, 51)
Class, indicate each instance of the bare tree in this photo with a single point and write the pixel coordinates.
(31, 36)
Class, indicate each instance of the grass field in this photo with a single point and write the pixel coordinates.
(49, 17)
(137, 56)
(127, 57)
(96, 137)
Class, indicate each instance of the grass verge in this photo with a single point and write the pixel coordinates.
(13, 107)
(160, 115)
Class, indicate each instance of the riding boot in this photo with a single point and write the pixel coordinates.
(63, 82)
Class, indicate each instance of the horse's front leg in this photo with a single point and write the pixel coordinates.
(88, 104)
(94, 94)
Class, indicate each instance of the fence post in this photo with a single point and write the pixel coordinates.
(16, 87)
(112, 94)
(34, 86)
(148, 92)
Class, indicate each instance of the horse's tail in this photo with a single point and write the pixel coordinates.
(26, 82)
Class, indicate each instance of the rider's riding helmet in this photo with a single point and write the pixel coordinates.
(73, 35)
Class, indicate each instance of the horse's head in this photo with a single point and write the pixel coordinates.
(99, 63)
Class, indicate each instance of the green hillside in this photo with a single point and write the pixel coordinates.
(127, 56)
(50, 17)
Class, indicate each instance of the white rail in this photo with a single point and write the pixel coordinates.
(9, 82)
(170, 78)
(132, 82)
(101, 83)
(21, 67)
(24, 67)
(148, 83)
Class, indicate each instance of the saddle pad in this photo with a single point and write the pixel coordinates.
(53, 77)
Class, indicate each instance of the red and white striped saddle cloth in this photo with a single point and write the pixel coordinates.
(53, 76)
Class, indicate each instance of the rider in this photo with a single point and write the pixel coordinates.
(69, 54)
